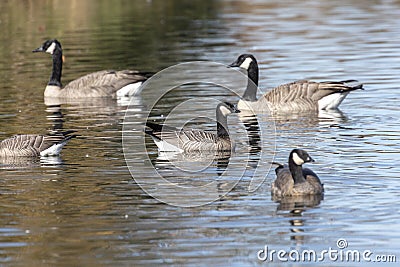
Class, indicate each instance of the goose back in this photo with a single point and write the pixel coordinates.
(101, 84)
(30, 145)
(104, 83)
(204, 141)
(284, 184)
(194, 140)
(107, 83)
(308, 95)
(171, 139)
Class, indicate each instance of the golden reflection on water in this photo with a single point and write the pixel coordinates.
(86, 210)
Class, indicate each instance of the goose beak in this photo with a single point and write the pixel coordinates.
(234, 65)
(39, 49)
(310, 159)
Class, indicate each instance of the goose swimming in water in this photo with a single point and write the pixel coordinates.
(296, 96)
(172, 139)
(32, 145)
(106, 83)
(295, 180)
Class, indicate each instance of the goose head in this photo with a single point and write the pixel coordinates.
(49, 46)
(299, 157)
(227, 108)
(245, 61)
(249, 63)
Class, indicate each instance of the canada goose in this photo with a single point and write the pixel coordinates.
(172, 139)
(104, 83)
(294, 180)
(296, 96)
(32, 145)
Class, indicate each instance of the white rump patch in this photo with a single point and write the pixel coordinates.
(299, 161)
(225, 111)
(332, 101)
(165, 146)
(246, 63)
(130, 89)
(51, 48)
(54, 150)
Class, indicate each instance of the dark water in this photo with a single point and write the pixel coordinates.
(85, 209)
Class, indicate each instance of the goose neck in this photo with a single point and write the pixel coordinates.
(252, 83)
(55, 78)
(222, 125)
(296, 171)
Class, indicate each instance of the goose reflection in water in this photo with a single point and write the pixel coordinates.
(102, 104)
(12, 163)
(296, 205)
(194, 162)
(191, 179)
(321, 118)
(252, 125)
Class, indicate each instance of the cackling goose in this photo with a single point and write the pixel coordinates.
(294, 180)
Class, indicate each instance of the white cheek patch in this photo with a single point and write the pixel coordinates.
(225, 111)
(297, 159)
(51, 48)
(246, 63)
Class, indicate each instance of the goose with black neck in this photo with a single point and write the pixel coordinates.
(302, 95)
(175, 140)
(294, 180)
(106, 83)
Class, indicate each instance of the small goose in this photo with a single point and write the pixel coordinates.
(295, 96)
(32, 145)
(296, 181)
(172, 139)
(104, 83)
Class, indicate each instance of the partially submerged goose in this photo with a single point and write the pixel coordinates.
(295, 180)
(295, 96)
(32, 145)
(171, 139)
(106, 83)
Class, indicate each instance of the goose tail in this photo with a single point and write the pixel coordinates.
(278, 164)
(353, 84)
(160, 127)
(134, 88)
(130, 89)
(56, 148)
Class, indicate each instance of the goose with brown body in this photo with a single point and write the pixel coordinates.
(294, 180)
(171, 139)
(106, 83)
(296, 96)
(32, 145)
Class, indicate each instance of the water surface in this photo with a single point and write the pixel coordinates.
(85, 209)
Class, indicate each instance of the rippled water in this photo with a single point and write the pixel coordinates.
(84, 208)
